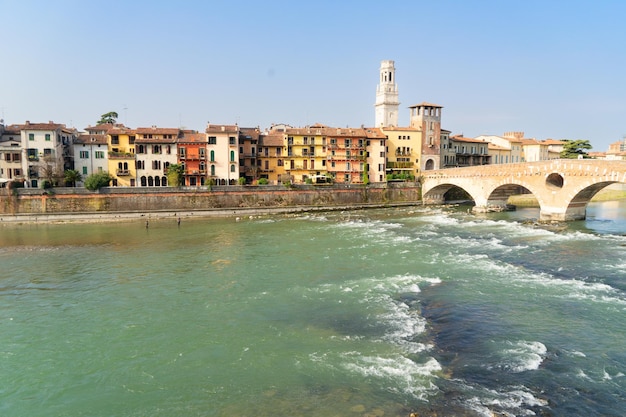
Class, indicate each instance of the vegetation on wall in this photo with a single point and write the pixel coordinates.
(403, 176)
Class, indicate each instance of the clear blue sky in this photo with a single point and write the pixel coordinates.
(553, 69)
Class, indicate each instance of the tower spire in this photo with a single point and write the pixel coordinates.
(387, 103)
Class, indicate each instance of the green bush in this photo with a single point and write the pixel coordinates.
(242, 180)
(262, 181)
(97, 181)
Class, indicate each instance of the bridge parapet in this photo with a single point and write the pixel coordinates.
(563, 187)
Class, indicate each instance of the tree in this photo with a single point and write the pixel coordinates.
(50, 170)
(71, 177)
(108, 118)
(175, 175)
(574, 149)
(97, 181)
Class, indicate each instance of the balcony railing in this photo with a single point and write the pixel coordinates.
(121, 155)
(122, 172)
(399, 165)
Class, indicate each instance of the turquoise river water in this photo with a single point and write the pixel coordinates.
(379, 312)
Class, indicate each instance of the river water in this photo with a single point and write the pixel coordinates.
(364, 313)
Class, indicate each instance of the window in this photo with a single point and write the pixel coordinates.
(181, 152)
(202, 153)
(141, 149)
(156, 149)
(99, 154)
(84, 155)
(48, 137)
(140, 165)
(232, 140)
(156, 164)
(212, 140)
(115, 140)
(280, 162)
(212, 156)
(213, 170)
(202, 166)
(84, 170)
(31, 136)
(232, 168)
(232, 156)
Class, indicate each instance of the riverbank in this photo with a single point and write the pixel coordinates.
(119, 203)
(236, 213)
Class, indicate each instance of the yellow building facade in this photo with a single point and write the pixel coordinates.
(122, 167)
(305, 152)
(404, 147)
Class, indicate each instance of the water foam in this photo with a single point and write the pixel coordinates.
(396, 373)
(522, 356)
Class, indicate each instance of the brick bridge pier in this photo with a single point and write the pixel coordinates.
(563, 187)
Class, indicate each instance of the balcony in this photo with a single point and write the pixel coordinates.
(122, 172)
(400, 165)
(121, 155)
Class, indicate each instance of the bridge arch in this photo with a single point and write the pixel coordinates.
(499, 196)
(438, 194)
(562, 187)
(577, 205)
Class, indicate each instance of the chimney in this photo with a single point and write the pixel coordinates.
(223, 128)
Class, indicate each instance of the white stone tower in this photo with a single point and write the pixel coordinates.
(387, 103)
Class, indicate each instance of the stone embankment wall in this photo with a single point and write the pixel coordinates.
(150, 199)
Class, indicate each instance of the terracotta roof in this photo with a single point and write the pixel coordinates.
(553, 142)
(11, 130)
(374, 133)
(527, 142)
(222, 128)
(103, 127)
(468, 140)
(496, 147)
(88, 138)
(38, 126)
(121, 130)
(249, 133)
(272, 139)
(326, 131)
(157, 131)
(401, 129)
(193, 138)
(425, 104)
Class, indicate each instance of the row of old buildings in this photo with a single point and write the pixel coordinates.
(222, 154)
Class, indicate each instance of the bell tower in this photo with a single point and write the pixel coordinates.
(387, 103)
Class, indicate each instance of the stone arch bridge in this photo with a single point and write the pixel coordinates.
(563, 187)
